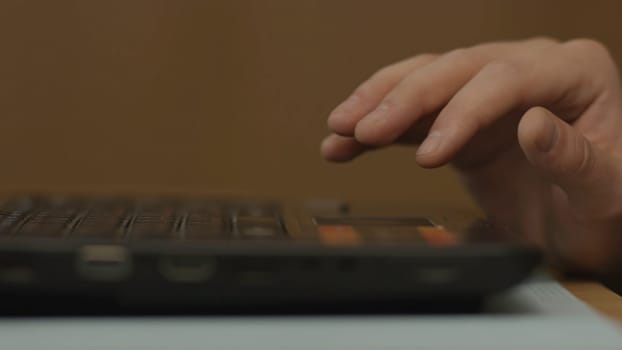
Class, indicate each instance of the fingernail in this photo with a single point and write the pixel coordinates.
(548, 137)
(430, 144)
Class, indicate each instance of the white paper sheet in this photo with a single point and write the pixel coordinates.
(539, 314)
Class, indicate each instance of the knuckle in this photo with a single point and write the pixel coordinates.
(424, 58)
(426, 101)
(466, 57)
(364, 91)
(593, 58)
(411, 96)
(396, 70)
(459, 54)
(504, 67)
(390, 102)
(543, 40)
(384, 72)
(589, 47)
(514, 73)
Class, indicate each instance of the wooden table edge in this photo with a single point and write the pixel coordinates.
(597, 296)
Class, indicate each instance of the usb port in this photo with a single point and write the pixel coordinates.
(105, 263)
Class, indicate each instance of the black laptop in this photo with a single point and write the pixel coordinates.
(218, 254)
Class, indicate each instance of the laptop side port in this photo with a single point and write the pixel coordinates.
(104, 263)
(187, 269)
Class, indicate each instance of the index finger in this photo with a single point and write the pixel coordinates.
(551, 79)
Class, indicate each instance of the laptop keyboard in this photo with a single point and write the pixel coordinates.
(140, 219)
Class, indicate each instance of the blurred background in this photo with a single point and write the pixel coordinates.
(231, 95)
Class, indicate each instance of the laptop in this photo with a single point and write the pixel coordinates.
(80, 254)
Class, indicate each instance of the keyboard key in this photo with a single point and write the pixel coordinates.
(154, 221)
(259, 228)
(12, 211)
(47, 224)
(208, 223)
(104, 219)
(157, 218)
(8, 221)
(99, 226)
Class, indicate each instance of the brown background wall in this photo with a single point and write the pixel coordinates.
(201, 96)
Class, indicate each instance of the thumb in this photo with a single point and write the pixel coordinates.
(569, 160)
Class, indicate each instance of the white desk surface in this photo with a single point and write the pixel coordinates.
(537, 315)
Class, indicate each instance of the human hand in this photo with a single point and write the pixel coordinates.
(533, 127)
